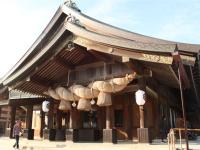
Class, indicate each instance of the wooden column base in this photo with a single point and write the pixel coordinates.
(69, 134)
(49, 134)
(143, 135)
(72, 135)
(60, 135)
(7, 133)
(29, 134)
(109, 135)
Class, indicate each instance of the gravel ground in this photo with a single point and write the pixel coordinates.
(6, 144)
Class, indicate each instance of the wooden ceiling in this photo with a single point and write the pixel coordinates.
(55, 69)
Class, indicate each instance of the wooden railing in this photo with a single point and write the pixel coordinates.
(172, 138)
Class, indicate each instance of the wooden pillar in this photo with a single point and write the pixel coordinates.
(99, 119)
(108, 117)
(130, 112)
(71, 119)
(50, 115)
(71, 134)
(75, 119)
(0, 111)
(127, 119)
(12, 119)
(141, 108)
(29, 116)
(109, 134)
(142, 132)
(42, 117)
(59, 119)
(157, 116)
(8, 118)
(67, 115)
(183, 108)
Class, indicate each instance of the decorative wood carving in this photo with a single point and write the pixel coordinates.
(123, 52)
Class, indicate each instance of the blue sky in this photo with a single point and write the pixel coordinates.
(23, 20)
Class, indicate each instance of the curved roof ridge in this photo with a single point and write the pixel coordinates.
(102, 27)
(119, 42)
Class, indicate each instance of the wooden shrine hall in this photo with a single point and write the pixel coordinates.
(84, 80)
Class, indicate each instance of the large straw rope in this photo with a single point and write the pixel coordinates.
(64, 105)
(84, 104)
(53, 94)
(100, 89)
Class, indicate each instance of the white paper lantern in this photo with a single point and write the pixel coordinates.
(45, 106)
(140, 97)
(73, 104)
(92, 102)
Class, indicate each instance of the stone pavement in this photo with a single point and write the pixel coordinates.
(6, 144)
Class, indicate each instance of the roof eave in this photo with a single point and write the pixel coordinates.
(31, 50)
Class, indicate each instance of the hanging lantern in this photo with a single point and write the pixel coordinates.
(92, 102)
(74, 104)
(140, 97)
(45, 106)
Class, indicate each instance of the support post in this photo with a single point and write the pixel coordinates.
(29, 117)
(141, 108)
(29, 132)
(60, 132)
(183, 108)
(42, 117)
(194, 86)
(109, 135)
(108, 119)
(71, 119)
(50, 133)
(12, 120)
(72, 133)
(59, 119)
(50, 115)
(143, 133)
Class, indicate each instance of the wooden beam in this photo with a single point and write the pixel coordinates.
(100, 56)
(131, 53)
(128, 89)
(40, 81)
(136, 66)
(125, 59)
(91, 65)
(63, 63)
(17, 84)
(163, 93)
(174, 74)
(44, 84)
(188, 60)
(26, 101)
(184, 77)
(4, 102)
(27, 67)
